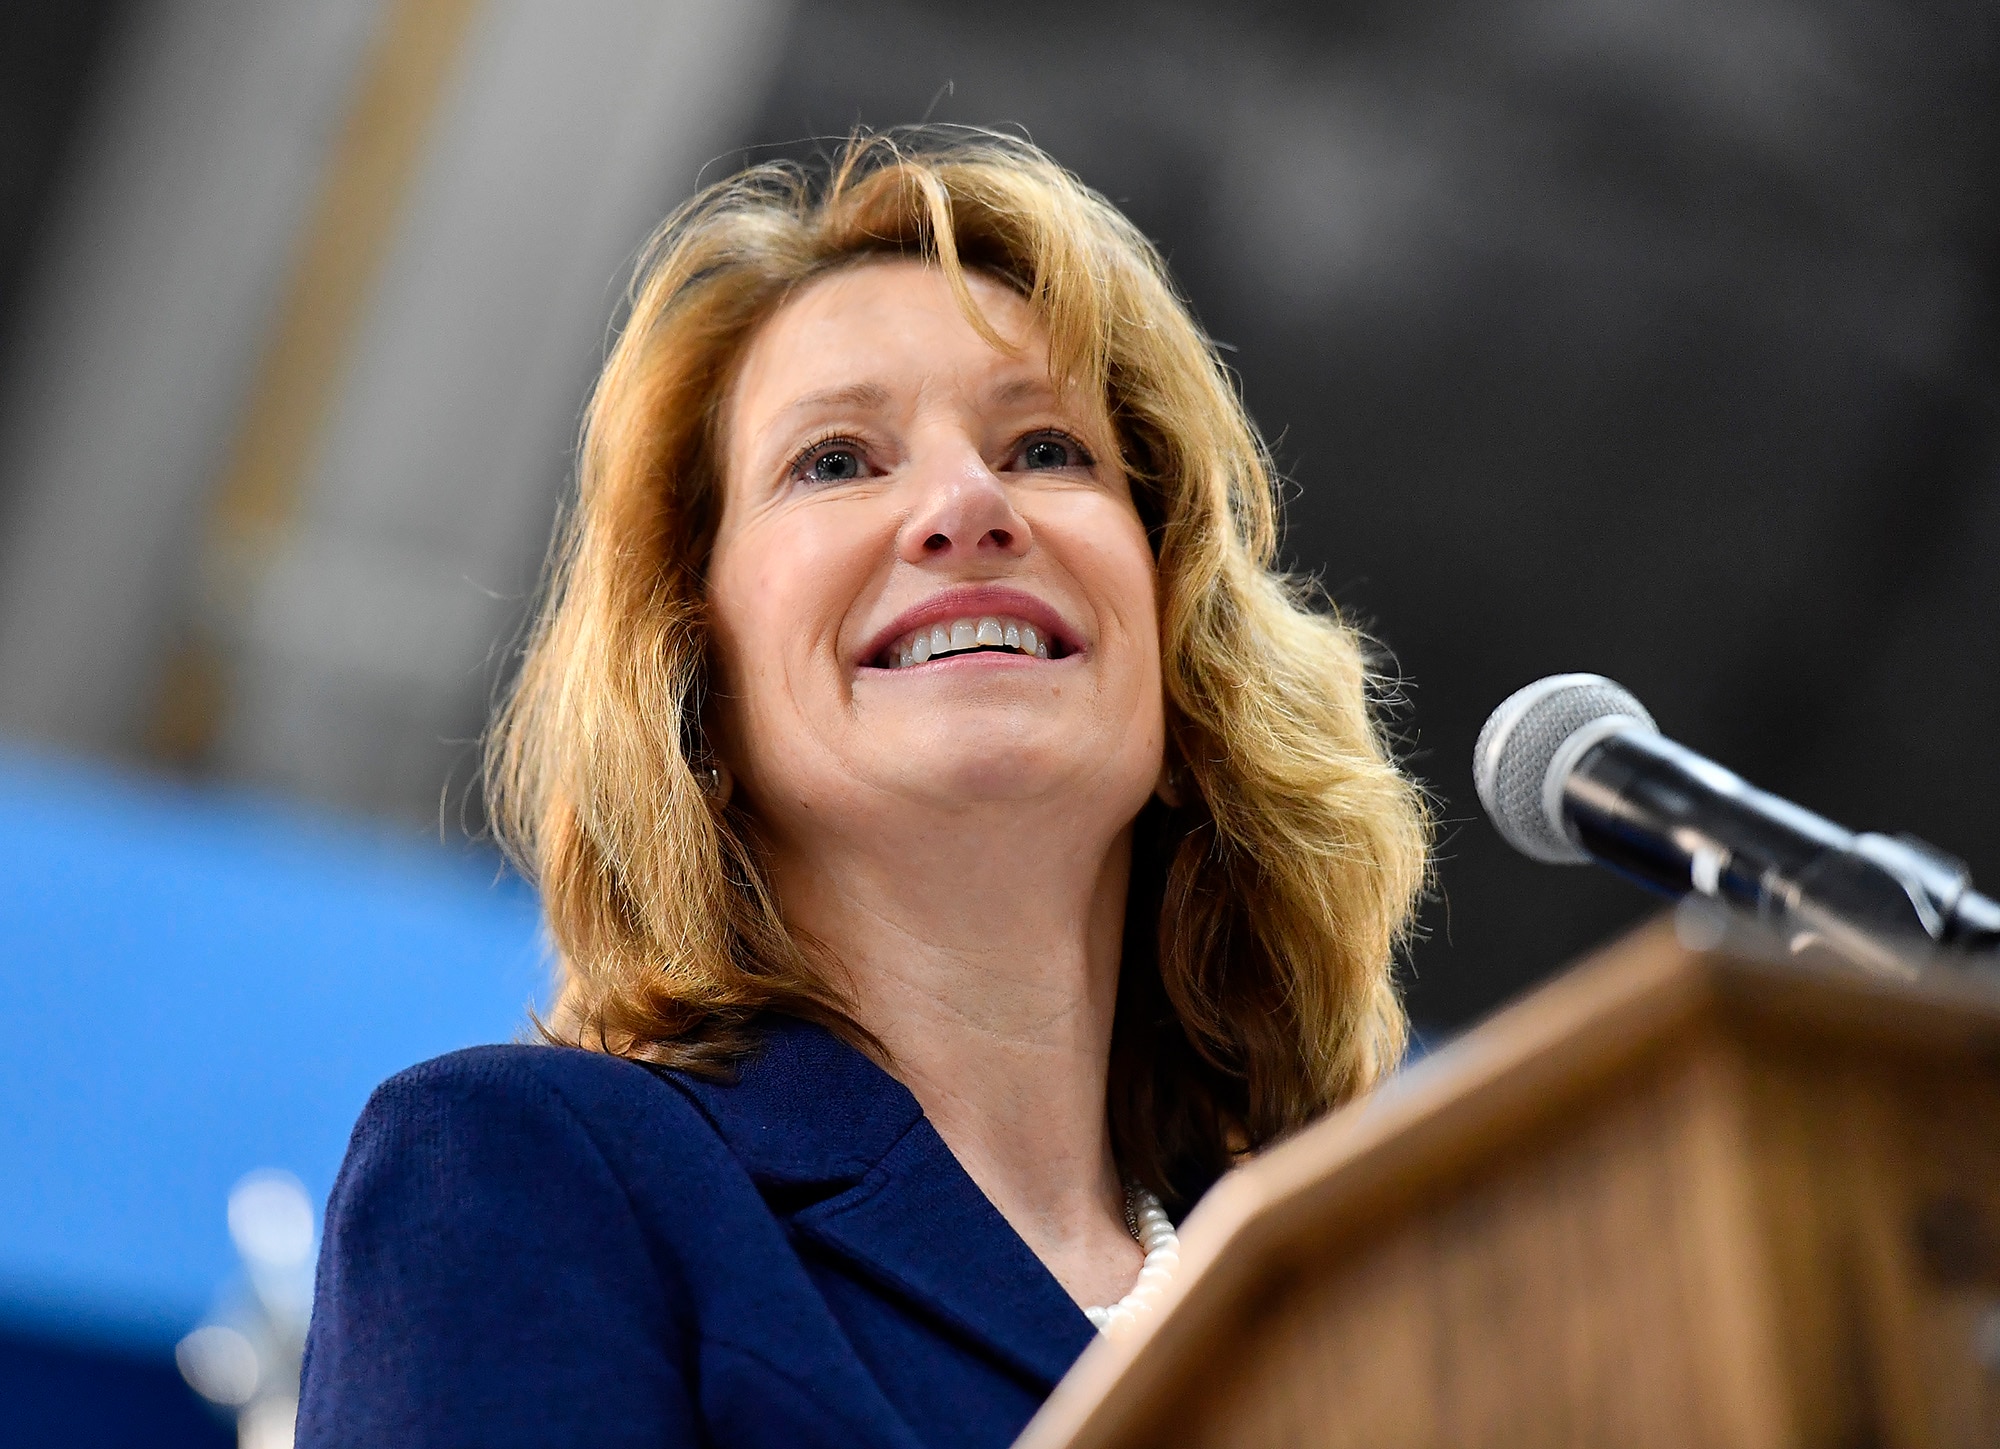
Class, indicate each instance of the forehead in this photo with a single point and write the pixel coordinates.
(886, 323)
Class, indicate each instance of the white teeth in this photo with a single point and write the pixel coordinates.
(961, 635)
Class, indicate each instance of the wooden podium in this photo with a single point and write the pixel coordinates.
(1671, 1199)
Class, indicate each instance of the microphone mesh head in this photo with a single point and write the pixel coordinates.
(1523, 740)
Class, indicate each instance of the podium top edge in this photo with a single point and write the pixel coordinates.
(1629, 997)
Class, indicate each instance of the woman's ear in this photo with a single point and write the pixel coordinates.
(717, 783)
(1168, 786)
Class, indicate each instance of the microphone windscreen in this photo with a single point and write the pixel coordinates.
(1521, 759)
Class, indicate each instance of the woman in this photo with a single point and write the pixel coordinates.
(957, 841)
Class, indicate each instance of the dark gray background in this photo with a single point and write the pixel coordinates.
(1652, 340)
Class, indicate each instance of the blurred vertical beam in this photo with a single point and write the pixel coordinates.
(368, 650)
(340, 252)
(169, 243)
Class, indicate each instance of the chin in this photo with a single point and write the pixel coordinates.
(969, 773)
(977, 778)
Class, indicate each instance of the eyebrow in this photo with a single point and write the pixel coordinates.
(854, 395)
(875, 395)
(1024, 389)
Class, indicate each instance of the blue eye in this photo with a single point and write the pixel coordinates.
(836, 460)
(836, 465)
(1053, 451)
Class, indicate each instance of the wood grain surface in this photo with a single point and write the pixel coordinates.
(1671, 1199)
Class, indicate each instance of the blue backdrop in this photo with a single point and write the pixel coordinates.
(199, 985)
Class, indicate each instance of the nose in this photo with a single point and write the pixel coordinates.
(963, 514)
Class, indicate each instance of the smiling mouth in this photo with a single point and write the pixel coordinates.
(985, 634)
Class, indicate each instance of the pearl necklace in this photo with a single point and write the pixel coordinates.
(1148, 1222)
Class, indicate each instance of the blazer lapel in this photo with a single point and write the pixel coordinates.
(821, 1127)
(920, 1227)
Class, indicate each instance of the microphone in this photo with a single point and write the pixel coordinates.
(1572, 769)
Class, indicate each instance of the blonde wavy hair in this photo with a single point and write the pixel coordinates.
(1257, 987)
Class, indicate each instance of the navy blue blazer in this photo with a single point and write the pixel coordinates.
(543, 1246)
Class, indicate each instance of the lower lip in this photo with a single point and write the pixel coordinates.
(959, 663)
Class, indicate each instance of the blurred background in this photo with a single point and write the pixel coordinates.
(1649, 337)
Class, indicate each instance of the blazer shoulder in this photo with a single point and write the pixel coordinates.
(521, 1064)
(489, 1193)
(614, 1101)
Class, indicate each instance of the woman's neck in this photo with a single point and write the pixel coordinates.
(992, 989)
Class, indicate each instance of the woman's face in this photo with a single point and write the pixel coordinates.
(930, 587)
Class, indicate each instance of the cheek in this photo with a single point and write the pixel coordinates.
(1116, 558)
(736, 617)
(778, 593)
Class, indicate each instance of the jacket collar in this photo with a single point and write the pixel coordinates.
(816, 1123)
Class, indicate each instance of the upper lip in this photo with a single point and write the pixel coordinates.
(971, 602)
